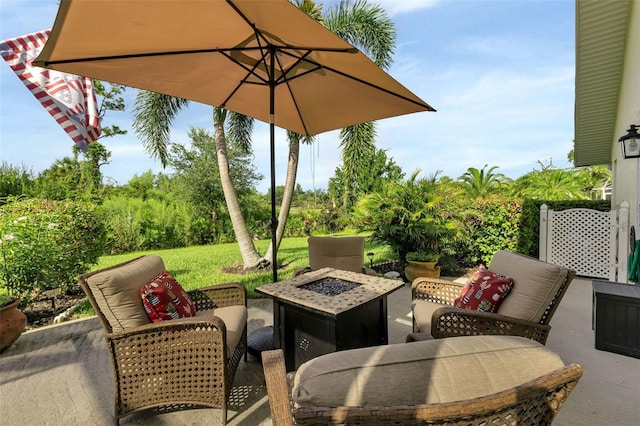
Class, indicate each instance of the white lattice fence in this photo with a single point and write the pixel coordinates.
(591, 242)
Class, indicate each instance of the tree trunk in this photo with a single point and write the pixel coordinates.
(250, 256)
(287, 196)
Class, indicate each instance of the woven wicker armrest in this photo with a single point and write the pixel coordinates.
(228, 294)
(211, 326)
(277, 388)
(435, 290)
(451, 322)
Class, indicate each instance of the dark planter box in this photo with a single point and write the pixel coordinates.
(617, 317)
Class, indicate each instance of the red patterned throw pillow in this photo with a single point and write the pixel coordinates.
(164, 299)
(485, 291)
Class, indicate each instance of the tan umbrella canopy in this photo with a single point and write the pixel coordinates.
(264, 59)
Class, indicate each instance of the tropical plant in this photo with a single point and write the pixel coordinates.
(483, 182)
(423, 256)
(551, 183)
(367, 27)
(410, 216)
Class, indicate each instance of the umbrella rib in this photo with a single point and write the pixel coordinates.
(366, 83)
(349, 76)
(176, 52)
(300, 58)
(261, 40)
(250, 72)
(285, 80)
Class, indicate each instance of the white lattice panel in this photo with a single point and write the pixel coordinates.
(584, 240)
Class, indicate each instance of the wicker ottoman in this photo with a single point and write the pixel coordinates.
(475, 378)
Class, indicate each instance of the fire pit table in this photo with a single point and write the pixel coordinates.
(328, 310)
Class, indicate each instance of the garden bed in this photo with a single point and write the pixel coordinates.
(43, 311)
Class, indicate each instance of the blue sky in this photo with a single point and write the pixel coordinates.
(500, 74)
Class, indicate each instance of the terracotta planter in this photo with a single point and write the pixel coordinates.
(416, 269)
(12, 324)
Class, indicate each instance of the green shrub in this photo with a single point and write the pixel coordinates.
(45, 244)
(14, 181)
(493, 226)
(136, 224)
(331, 219)
(500, 222)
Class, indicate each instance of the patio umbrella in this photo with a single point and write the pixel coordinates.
(264, 59)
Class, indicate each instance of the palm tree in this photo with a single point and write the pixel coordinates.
(480, 183)
(363, 25)
(551, 184)
(154, 113)
(367, 27)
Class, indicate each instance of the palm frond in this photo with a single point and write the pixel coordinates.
(153, 115)
(366, 26)
(240, 131)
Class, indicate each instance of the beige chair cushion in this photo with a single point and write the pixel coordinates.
(117, 291)
(432, 371)
(535, 283)
(422, 312)
(234, 318)
(345, 253)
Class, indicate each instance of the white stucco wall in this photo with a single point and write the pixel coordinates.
(626, 173)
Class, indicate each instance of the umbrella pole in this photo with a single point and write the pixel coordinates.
(272, 134)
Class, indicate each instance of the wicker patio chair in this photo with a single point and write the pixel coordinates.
(483, 383)
(526, 311)
(179, 363)
(345, 253)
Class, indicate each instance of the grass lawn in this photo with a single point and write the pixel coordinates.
(200, 266)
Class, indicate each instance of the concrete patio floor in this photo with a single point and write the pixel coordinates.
(61, 375)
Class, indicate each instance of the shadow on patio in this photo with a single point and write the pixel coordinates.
(61, 375)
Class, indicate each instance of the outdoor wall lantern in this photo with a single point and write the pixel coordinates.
(630, 143)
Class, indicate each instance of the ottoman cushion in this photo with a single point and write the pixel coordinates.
(433, 371)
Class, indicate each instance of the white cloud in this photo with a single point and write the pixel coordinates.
(498, 117)
(398, 7)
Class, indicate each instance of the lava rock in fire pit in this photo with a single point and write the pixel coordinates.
(330, 286)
